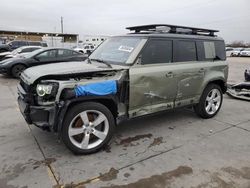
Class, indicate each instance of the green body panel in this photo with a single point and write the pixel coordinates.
(164, 86)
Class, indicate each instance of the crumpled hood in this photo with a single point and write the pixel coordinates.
(30, 75)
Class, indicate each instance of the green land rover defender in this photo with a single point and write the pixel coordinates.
(151, 69)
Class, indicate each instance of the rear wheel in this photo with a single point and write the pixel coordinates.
(87, 128)
(210, 102)
(17, 70)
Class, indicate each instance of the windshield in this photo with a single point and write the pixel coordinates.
(31, 54)
(116, 49)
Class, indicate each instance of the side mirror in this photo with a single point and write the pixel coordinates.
(138, 61)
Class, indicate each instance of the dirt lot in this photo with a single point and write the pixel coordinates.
(170, 149)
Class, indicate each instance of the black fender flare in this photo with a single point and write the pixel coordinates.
(64, 106)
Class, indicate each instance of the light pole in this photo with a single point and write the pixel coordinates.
(61, 24)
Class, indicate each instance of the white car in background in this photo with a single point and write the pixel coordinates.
(245, 52)
(236, 52)
(229, 51)
(85, 49)
(18, 52)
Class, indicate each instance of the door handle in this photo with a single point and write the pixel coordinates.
(201, 70)
(169, 75)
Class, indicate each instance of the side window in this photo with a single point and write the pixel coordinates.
(47, 55)
(185, 51)
(211, 50)
(64, 53)
(220, 50)
(157, 51)
(86, 47)
(22, 43)
(26, 50)
(14, 43)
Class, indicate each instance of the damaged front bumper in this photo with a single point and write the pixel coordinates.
(42, 116)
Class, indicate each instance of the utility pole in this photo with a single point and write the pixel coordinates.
(61, 24)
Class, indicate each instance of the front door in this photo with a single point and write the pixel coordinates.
(48, 56)
(153, 85)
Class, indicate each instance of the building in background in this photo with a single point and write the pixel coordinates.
(94, 40)
(52, 39)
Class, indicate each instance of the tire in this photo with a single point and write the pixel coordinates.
(79, 128)
(16, 70)
(210, 102)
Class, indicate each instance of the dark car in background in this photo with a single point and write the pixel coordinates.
(19, 43)
(14, 66)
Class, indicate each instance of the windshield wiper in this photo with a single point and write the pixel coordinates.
(101, 61)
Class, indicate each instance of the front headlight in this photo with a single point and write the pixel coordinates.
(43, 89)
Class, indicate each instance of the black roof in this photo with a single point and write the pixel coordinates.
(153, 28)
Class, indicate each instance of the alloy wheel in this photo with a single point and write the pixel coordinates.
(213, 101)
(88, 129)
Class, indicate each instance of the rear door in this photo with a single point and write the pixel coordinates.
(153, 86)
(190, 72)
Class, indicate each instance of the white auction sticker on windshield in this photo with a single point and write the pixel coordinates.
(126, 48)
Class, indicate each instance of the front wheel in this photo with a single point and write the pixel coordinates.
(210, 102)
(87, 128)
(17, 70)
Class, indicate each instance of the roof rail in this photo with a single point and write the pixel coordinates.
(172, 29)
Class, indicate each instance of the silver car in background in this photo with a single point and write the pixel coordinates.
(19, 51)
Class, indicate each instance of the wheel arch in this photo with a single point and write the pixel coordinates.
(108, 101)
(18, 64)
(220, 83)
(11, 67)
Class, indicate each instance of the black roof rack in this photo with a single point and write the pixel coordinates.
(172, 29)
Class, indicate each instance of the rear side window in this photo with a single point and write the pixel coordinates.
(185, 51)
(157, 51)
(75, 53)
(64, 53)
(211, 50)
(220, 50)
